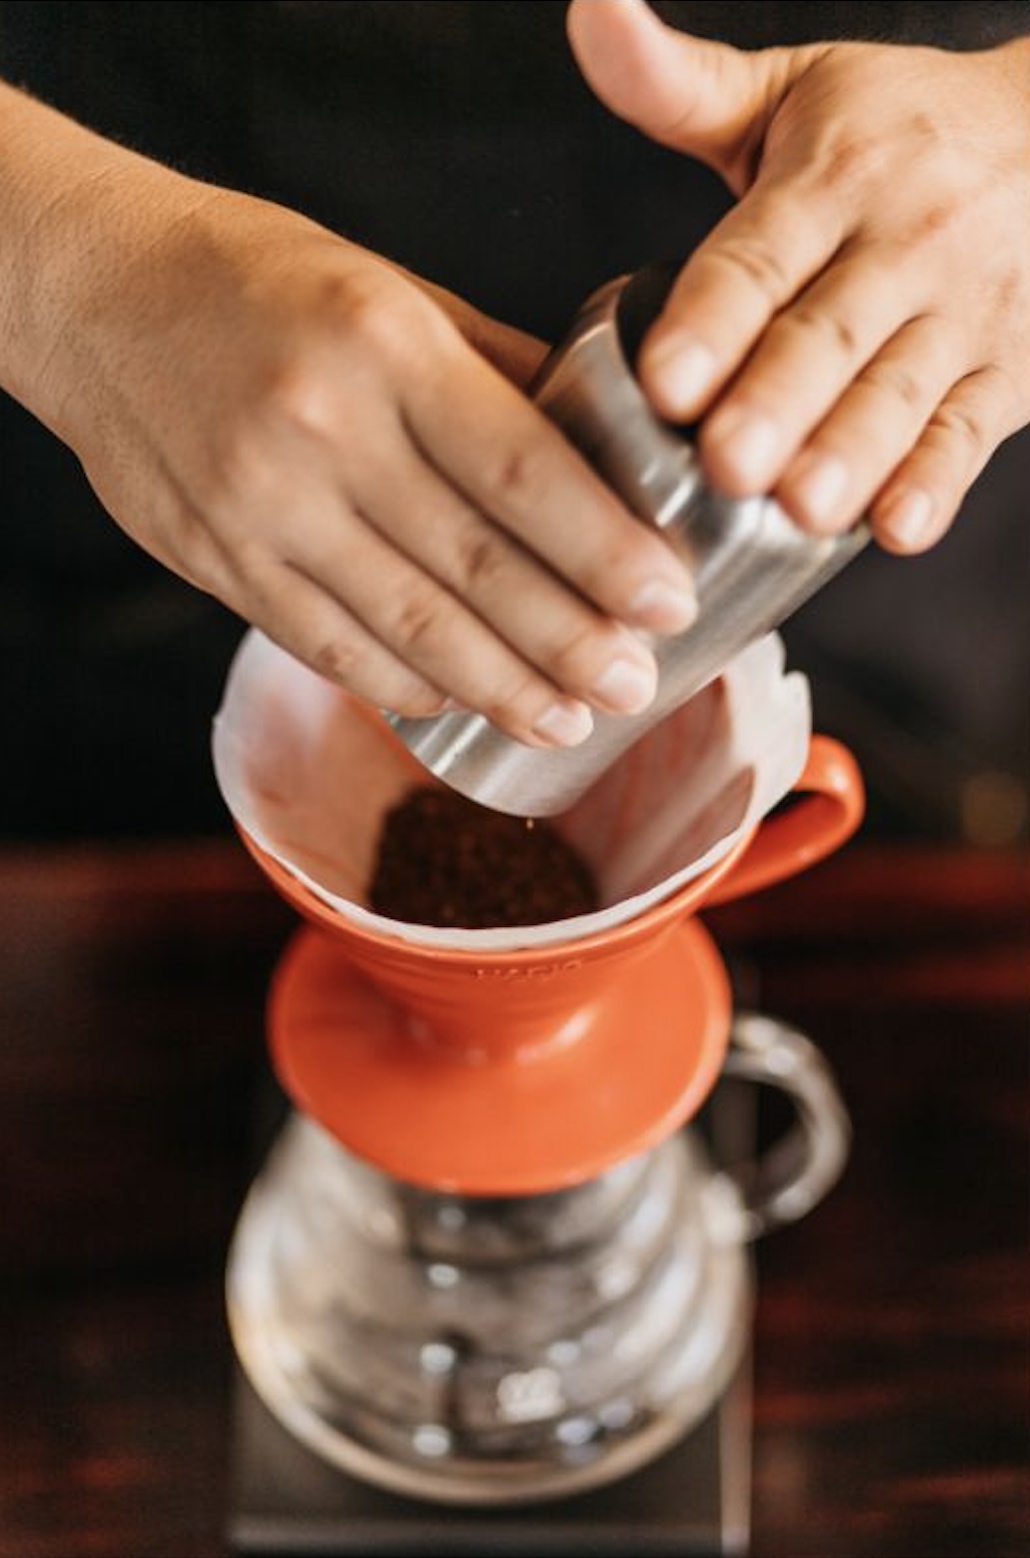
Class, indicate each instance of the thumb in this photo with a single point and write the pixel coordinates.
(705, 99)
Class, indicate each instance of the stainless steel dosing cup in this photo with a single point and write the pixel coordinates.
(752, 566)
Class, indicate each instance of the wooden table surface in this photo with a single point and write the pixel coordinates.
(891, 1345)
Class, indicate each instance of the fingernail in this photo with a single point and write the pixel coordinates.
(681, 372)
(564, 724)
(749, 442)
(626, 686)
(664, 606)
(907, 518)
(819, 489)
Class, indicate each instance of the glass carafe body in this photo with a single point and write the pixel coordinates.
(485, 1350)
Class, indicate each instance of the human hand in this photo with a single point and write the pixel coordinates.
(854, 335)
(327, 446)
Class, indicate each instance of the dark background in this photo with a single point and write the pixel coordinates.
(459, 140)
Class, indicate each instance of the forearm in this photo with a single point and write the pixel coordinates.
(81, 215)
(71, 203)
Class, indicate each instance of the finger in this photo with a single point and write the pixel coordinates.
(810, 354)
(917, 505)
(372, 633)
(510, 462)
(872, 427)
(302, 618)
(426, 628)
(703, 98)
(580, 651)
(753, 264)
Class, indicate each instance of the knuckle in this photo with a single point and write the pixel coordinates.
(758, 265)
(478, 559)
(389, 322)
(417, 616)
(514, 475)
(962, 422)
(290, 393)
(296, 394)
(850, 161)
(375, 315)
(809, 321)
(935, 218)
(895, 381)
(369, 672)
(336, 659)
(360, 328)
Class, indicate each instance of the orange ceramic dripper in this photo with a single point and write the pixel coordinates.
(515, 1072)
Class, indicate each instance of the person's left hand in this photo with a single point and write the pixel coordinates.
(855, 334)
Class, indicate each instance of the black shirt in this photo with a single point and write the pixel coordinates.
(460, 140)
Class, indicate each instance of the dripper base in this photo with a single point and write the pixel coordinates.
(644, 1057)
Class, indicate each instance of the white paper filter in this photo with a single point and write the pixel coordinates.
(309, 772)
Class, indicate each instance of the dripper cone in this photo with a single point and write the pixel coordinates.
(514, 1061)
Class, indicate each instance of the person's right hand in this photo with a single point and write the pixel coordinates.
(853, 336)
(329, 447)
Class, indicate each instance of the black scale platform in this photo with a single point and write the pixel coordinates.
(693, 1500)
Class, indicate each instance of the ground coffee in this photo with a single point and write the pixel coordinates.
(444, 860)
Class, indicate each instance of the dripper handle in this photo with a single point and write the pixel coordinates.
(829, 809)
(794, 1173)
